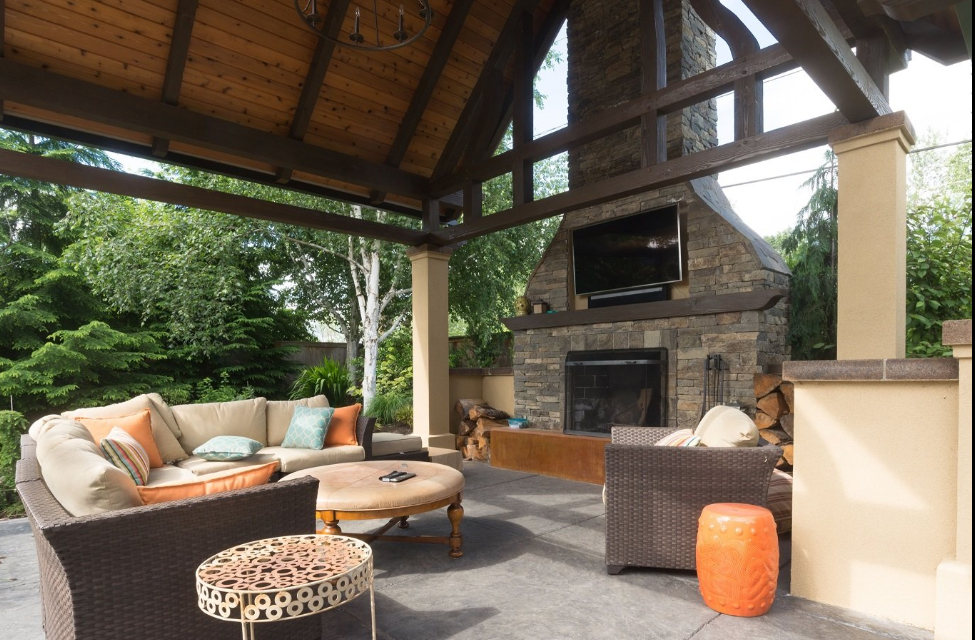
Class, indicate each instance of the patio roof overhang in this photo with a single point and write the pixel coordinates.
(243, 89)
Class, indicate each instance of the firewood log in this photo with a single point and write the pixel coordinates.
(766, 383)
(774, 405)
(775, 436)
(486, 411)
(788, 390)
(788, 452)
(788, 423)
(463, 406)
(764, 420)
(486, 424)
(465, 427)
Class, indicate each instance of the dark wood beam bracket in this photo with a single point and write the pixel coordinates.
(72, 97)
(806, 30)
(764, 63)
(789, 139)
(428, 83)
(312, 86)
(179, 52)
(33, 167)
(758, 300)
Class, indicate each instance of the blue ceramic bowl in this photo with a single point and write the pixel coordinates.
(517, 423)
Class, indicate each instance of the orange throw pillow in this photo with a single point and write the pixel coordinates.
(138, 425)
(341, 430)
(209, 484)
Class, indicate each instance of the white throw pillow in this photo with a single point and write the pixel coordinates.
(727, 427)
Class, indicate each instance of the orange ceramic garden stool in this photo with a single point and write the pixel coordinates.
(737, 558)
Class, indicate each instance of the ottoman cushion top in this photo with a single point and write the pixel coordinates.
(355, 486)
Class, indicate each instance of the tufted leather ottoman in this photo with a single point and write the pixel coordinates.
(353, 491)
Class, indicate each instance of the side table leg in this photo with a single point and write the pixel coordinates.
(455, 512)
(372, 607)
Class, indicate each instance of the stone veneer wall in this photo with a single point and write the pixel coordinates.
(720, 259)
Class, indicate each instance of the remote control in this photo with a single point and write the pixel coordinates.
(392, 474)
(401, 478)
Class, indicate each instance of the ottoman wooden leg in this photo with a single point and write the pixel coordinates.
(330, 522)
(403, 524)
(455, 512)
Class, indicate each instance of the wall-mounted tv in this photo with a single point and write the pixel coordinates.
(639, 250)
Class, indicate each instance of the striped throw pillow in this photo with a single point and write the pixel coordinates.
(679, 438)
(780, 500)
(127, 454)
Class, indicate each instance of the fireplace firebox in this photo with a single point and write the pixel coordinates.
(604, 388)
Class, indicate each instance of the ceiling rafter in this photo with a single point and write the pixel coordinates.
(807, 32)
(81, 99)
(424, 90)
(311, 89)
(497, 60)
(179, 53)
(34, 167)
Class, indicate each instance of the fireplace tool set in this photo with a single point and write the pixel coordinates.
(714, 390)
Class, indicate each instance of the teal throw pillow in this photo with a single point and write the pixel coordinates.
(308, 427)
(228, 448)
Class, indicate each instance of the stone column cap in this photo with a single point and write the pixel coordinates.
(430, 250)
(897, 123)
(956, 333)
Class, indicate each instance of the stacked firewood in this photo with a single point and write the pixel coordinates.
(774, 400)
(474, 432)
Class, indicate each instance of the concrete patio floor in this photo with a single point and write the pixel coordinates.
(532, 570)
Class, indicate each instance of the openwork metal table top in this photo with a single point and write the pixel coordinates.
(283, 578)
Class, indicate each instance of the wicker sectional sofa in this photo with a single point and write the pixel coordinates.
(130, 572)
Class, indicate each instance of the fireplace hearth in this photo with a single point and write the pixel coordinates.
(604, 388)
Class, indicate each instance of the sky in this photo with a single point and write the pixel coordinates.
(937, 99)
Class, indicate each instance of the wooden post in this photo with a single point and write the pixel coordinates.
(524, 103)
(653, 56)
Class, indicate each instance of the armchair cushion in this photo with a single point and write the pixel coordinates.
(724, 426)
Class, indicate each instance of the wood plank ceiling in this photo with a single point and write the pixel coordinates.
(253, 63)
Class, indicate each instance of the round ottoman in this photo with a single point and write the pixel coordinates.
(737, 558)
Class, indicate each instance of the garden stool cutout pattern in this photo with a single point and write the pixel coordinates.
(737, 558)
(285, 578)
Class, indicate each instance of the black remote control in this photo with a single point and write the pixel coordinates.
(401, 478)
(392, 474)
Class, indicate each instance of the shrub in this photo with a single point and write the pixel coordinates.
(226, 392)
(330, 378)
(391, 408)
(12, 426)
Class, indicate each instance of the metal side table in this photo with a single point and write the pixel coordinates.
(285, 578)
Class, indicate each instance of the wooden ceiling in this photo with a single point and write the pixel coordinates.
(241, 87)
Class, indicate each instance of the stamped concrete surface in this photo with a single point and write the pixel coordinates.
(532, 569)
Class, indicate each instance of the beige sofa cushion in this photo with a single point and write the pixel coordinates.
(200, 422)
(388, 443)
(169, 473)
(727, 427)
(79, 476)
(159, 417)
(200, 467)
(279, 414)
(298, 459)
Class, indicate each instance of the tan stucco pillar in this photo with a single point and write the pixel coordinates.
(431, 369)
(872, 158)
(953, 606)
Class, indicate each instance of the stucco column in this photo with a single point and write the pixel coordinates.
(953, 606)
(431, 369)
(872, 157)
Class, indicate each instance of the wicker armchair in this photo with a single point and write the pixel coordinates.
(131, 573)
(654, 495)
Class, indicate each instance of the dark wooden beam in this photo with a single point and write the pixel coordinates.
(765, 146)
(807, 32)
(764, 63)
(3, 41)
(758, 300)
(428, 83)
(748, 91)
(653, 78)
(862, 27)
(179, 52)
(314, 78)
(72, 97)
(873, 53)
(33, 167)
(522, 125)
(200, 164)
(496, 61)
(905, 10)
(544, 39)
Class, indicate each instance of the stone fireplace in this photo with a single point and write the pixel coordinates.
(562, 379)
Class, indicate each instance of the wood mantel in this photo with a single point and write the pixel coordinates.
(758, 300)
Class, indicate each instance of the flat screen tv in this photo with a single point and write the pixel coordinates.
(640, 250)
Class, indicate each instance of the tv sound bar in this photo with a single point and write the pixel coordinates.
(650, 294)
